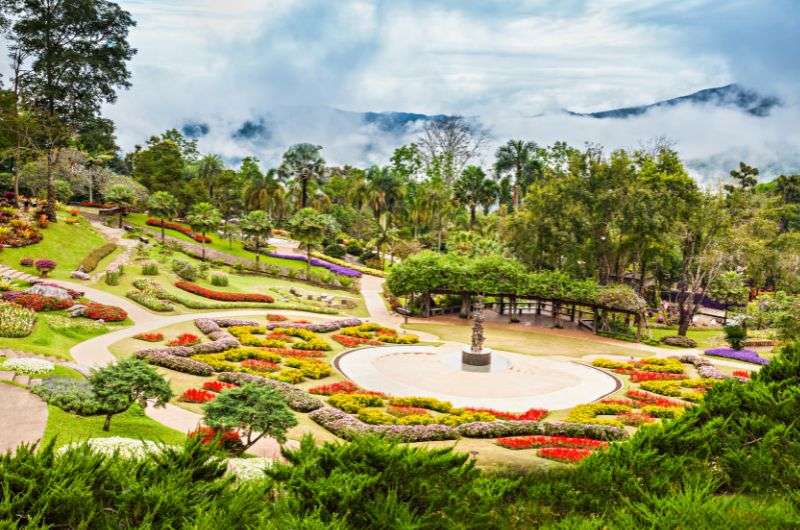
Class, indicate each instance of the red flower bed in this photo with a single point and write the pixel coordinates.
(352, 342)
(342, 387)
(150, 337)
(195, 395)
(38, 302)
(638, 376)
(184, 339)
(227, 439)
(183, 229)
(644, 397)
(261, 366)
(527, 442)
(222, 296)
(619, 401)
(279, 336)
(276, 318)
(108, 313)
(531, 414)
(301, 321)
(217, 386)
(95, 204)
(741, 374)
(563, 454)
(634, 418)
(289, 352)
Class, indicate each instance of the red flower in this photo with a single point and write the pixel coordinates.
(402, 410)
(38, 302)
(289, 352)
(227, 439)
(184, 339)
(108, 313)
(276, 318)
(352, 342)
(301, 321)
(639, 376)
(741, 374)
(527, 442)
(223, 296)
(563, 454)
(342, 387)
(195, 395)
(260, 366)
(150, 337)
(217, 386)
(640, 395)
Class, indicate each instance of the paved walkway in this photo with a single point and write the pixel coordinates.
(23, 417)
(13, 274)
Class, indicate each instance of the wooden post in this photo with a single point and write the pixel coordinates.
(572, 313)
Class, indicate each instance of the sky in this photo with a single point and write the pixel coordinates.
(512, 64)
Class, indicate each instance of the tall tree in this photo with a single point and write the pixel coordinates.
(303, 163)
(311, 228)
(159, 167)
(210, 173)
(122, 197)
(164, 205)
(75, 58)
(473, 189)
(454, 140)
(204, 218)
(517, 157)
(257, 227)
(262, 191)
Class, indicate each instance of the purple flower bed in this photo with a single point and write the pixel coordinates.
(316, 262)
(320, 327)
(347, 426)
(748, 356)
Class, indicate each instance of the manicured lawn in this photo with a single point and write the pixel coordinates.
(52, 342)
(68, 428)
(64, 243)
(531, 341)
(705, 338)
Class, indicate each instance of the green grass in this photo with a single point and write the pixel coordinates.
(705, 338)
(64, 243)
(68, 428)
(530, 341)
(53, 343)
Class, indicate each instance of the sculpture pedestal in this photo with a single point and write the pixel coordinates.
(481, 358)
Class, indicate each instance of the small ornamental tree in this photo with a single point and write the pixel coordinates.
(164, 205)
(254, 410)
(257, 227)
(730, 289)
(122, 197)
(118, 386)
(311, 228)
(204, 218)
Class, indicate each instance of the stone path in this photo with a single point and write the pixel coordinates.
(114, 235)
(13, 274)
(23, 417)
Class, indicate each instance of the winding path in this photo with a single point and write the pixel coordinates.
(23, 417)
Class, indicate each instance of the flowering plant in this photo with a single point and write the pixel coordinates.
(26, 262)
(28, 366)
(39, 303)
(530, 414)
(741, 374)
(563, 454)
(150, 337)
(222, 296)
(194, 395)
(217, 386)
(108, 313)
(316, 262)
(184, 339)
(183, 229)
(748, 356)
(527, 442)
(16, 321)
(638, 376)
(44, 266)
(342, 387)
(229, 440)
(276, 318)
(260, 366)
(652, 399)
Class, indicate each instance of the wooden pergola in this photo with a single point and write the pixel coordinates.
(516, 304)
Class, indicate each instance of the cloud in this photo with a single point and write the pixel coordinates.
(512, 63)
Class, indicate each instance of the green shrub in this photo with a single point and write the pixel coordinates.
(735, 335)
(185, 270)
(90, 262)
(71, 395)
(113, 277)
(149, 301)
(219, 279)
(335, 250)
(150, 268)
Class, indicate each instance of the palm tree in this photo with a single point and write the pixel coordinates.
(311, 228)
(209, 170)
(164, 205)
(204, 218)
(519, 158)
(473, 188)
(122, 197)
(257, 227)
(263, 191)
(303, 164)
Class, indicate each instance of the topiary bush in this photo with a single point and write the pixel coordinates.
(681, 342)
(150, 268)
(219, 279)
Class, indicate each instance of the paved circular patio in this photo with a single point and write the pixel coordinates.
(516, 383)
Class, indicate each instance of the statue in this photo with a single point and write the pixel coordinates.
(477, 355)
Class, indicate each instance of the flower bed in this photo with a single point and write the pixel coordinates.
(149, 300)
(183, 229)
(38, 303)
(107, 313)
(748, 356)
(94, 257)
(17, 232)
(342, 387)
(229, 440)
(174, 362)
(316, 262)
(373, 331)
(530, 414)
(347, 426)
(217, 386)
(352, 342)
(276, 318)
(741, 374)
(149, 337)
(686, 389)
(194, 395)
(563, 454)
(704, 367)
(296, 399)
(260, 366)
(649, 364)
(528, 442)
(653, 399)
(222, 296)
(16, 321)
(184, 339)
(355, 266)
(639, 376)
(28, 366)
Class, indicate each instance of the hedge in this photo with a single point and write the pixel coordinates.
(90, 262)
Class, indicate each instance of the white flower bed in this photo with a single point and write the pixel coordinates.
(28, 366)
(127, 447)
(248, 468)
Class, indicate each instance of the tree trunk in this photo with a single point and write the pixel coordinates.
(308, 262)
(163, 235)
(466, 302)
(513, 318)
(304, 193)
(50, 206)
(685, 312)
(120, 219)
(203, 245)
(472, 216)
(107, 423)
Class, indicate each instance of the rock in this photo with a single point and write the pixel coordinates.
(50, 291)
(77, 310)
(80, 275)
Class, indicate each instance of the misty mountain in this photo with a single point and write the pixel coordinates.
(729, 96)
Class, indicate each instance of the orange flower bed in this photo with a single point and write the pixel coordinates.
(351, 342)
(222, 296)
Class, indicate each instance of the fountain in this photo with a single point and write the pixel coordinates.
(477, 355)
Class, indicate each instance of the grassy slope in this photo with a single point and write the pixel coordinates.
(68, 428)
(706, 338)
(47, 341)
(66, 244)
